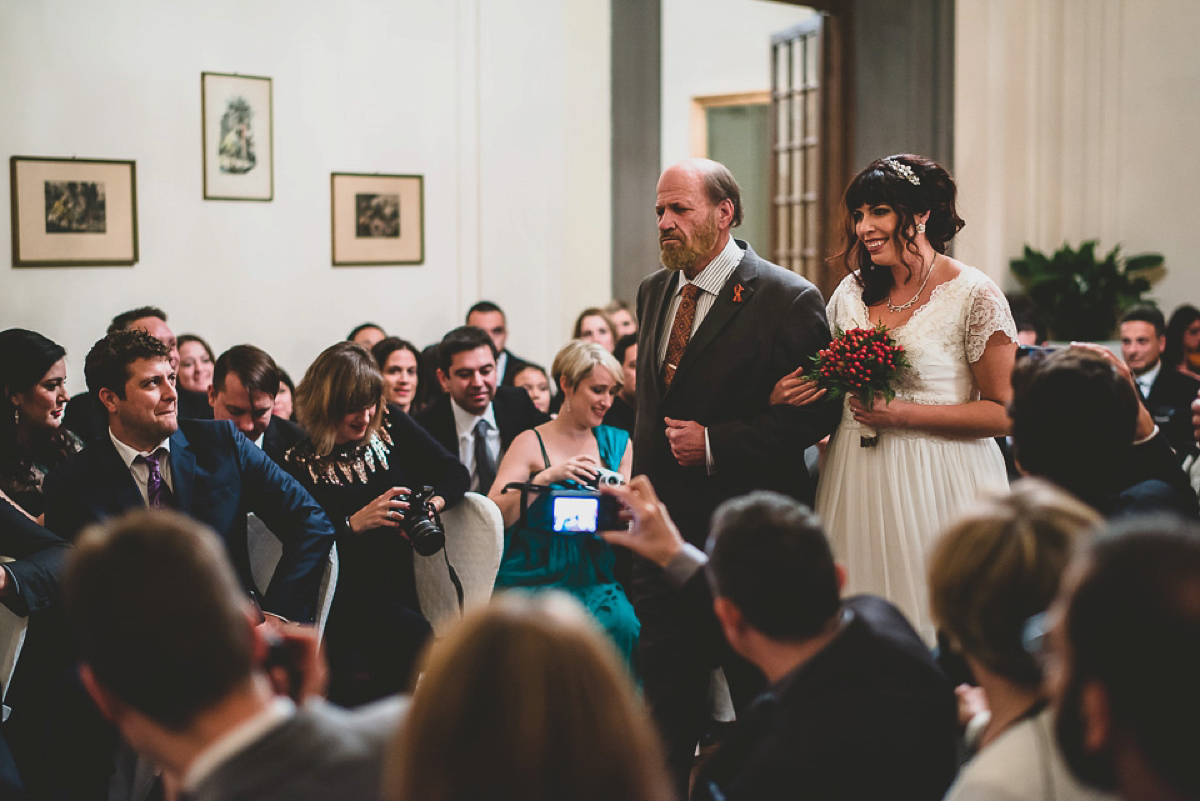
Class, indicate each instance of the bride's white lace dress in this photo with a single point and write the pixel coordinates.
(883, 507)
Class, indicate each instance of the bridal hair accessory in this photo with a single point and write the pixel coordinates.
(903, 170)
(864, 362)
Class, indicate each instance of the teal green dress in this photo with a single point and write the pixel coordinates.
(538, 558)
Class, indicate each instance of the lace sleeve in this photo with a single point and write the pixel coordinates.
(987, 314)
(840, 304)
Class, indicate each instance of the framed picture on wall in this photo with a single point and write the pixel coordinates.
(378, 219)
(73, 212)
(238, 137)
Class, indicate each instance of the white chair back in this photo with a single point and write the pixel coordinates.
(265, 552)
(474, 545)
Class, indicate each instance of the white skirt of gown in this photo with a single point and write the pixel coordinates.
(884, 507)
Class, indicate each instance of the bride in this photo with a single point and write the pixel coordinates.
(883, 506)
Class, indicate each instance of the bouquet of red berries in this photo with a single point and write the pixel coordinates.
(863, 362)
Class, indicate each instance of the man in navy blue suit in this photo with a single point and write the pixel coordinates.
(206, 469)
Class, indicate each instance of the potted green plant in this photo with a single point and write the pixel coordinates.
(1079, 297)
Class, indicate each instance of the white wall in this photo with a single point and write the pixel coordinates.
(503, 107)
(714, 47)
(1079, 119)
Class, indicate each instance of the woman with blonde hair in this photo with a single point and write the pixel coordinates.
(361, 459)
(524, 700)
(992, 575)
(568, 453)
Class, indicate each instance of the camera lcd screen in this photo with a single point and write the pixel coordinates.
(578, 515)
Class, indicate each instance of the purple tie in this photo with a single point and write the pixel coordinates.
(156, 490)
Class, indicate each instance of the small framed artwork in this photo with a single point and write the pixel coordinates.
(73, 212)
(238, 137)
(378, 219)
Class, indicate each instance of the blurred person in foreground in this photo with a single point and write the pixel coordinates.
(994, 569)
(1123, 655)
(525, 699)
(173, 654)
(856, 708)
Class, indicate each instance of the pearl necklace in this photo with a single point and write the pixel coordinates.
(928, 272)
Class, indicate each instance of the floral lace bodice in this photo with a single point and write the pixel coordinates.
(944, 337)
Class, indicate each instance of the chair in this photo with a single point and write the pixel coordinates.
(12, 639)
(474, 545)
(265, 551)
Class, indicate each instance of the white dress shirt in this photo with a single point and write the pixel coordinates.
(140, 470)
(1146, 380)
(464, 426)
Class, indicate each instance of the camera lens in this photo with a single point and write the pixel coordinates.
(427, 536)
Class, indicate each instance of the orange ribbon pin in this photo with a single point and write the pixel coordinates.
(737, 293)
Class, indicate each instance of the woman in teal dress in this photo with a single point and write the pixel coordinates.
(565, 453)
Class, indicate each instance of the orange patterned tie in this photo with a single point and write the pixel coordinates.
(681, 332)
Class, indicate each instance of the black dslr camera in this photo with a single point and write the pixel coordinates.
(421, 522)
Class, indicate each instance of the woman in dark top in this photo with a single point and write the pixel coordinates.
(33, 372)
(361, 453)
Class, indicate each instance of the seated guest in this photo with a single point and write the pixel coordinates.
(1167, 393)
(491, 318)
(475, 419)
(204, 468)
(283, 401)
(1182, 349)
(172, 655)
(533, 380)
(400, 363)
(241, 392)
(366, 334)
(623, 318)
(1030, 330)
(1124, 651)
(85, 415)
(1077, 422)
(194, 378)
(565, 454)
(361, 457)
(33, 374)
(995, 568)
(624, 406)
(593, 325)
(856, 707)
(523, 700)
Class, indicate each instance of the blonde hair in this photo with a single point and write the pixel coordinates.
(578, 359)
(343, 379)
(999, 565)
(526, 699)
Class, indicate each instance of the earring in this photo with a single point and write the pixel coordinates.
(920, 228)
(17, 416)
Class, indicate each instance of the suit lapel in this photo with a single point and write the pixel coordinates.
(122, 492)
(736, 294)
(665, 293)
(183, 470)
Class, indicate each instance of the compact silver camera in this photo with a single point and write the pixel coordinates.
(608, 478)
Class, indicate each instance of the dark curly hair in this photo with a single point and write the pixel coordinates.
(882, 184)
(1181, 319)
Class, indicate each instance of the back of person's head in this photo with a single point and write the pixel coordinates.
(461, 339)
(526, 700)
(482, 307)
(161, 619)
(253, 366)
(1073, 420)
(1025, 315)
(342, 380)
(578, 359)
(107, 363)
(125, 319)
(624, 344)
(770, 557)
(1146, 313)
(1132, 623)
(998, 565)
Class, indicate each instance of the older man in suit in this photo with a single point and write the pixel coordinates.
(475, 419)
(719, 328)
(204, 468)
(182, 668)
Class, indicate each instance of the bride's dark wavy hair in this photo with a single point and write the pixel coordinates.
(882, 184)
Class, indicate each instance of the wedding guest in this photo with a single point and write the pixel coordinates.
(624, 406)
(533, 379)
(33, 373)
(623, 317)
(366, 334)
(1182, 348)
(194, 377)
(284, 399)
(594, 325)
(400, 363)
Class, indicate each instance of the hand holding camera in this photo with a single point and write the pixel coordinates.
(386, 511)
(582, 469)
